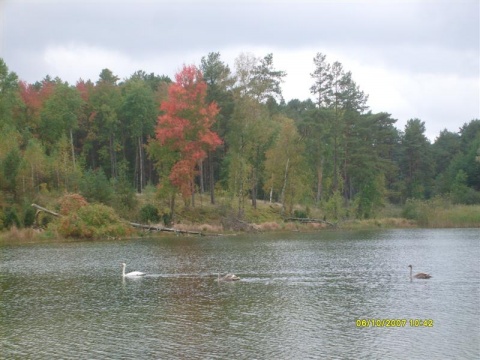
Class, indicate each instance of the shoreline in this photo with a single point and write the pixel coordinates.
(34, 236)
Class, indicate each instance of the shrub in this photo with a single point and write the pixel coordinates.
(334, 208)
(167, 218)
(10, 218)
(92, 221)
(410, 209)
(149, 214)
(29, 217)
(300, 214)
(124, 199)
(96, 187)
(71, 203)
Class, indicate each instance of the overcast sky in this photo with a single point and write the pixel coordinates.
(415, 59)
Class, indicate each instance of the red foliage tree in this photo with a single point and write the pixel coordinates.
(34, 96)
(85, 89)
(185, 126)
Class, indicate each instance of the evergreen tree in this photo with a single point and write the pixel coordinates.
(416, 165)
(217, 76)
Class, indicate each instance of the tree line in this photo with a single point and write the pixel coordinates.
(224, 131)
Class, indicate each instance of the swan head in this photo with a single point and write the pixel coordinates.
(410, 266)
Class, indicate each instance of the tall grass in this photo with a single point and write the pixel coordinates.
(15, 235)
(455, 216)
(440, 213)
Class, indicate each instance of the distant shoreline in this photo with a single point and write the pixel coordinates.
(33, 236)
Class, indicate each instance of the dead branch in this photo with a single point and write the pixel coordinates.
(309, 220)
(39, 208)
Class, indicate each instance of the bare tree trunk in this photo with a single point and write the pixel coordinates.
(335, 180)
(135, 173)
(271, 190)
(211, 178)
(241, 187)
(113, 157)
(319, 181)
(346, 190)
(172, 206)
(254, 188)
(33, 177)
(140, 159)
(192, 185)
(58, 177)
(73, 148)
(200, 168)
(285, 178)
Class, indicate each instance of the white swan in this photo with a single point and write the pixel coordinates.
(131, 274)
(228, 277)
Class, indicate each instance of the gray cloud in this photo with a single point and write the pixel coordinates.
(409, 39)
(147, 26)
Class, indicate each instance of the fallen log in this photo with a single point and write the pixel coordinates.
(310, 220)
(161, 228)
(39, 208)
(37, 213)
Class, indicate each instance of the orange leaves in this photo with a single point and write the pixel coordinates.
(70, 203)
(84, 88)
(34, 96)
(185, 125)
(171, 128)
(182, 175)
(212, 139)
(191, 79)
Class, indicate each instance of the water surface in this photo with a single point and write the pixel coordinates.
(299, 297)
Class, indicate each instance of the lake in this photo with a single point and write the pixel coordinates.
(301, 296)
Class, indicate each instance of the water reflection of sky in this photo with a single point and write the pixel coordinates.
(299, 297)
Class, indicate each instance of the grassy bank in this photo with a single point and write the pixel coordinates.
(452, 217)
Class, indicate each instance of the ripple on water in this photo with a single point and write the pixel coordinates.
(298, 297)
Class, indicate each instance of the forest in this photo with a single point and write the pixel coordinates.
(224, 133)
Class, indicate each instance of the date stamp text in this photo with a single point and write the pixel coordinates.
(394, 322)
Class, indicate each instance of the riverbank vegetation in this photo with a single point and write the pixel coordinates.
(220, 150)
(93, 221)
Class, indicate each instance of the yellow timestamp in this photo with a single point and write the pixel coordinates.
(394, 323)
